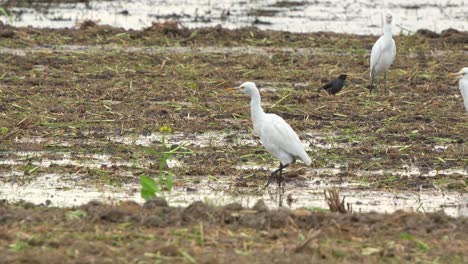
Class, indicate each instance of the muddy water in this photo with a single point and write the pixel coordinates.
(66, 190)
(207, 140)
(72, 189)
(347, 16)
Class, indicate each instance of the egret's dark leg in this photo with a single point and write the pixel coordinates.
(280, 198)
(274, 175)
(371, 87)
(280, 177)
(385, 82)
(270, 179)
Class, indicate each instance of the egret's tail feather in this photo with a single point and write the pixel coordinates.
(306, 159)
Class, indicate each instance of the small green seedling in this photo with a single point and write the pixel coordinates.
(150, 187)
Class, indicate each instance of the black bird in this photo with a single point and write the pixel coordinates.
(335, 86)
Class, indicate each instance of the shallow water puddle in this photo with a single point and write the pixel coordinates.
(75, 159)
(311, 140)
(216, 139)
(407, 171)
(202, 140)
(56, 190)
(211, 139)
(40, 159)
(347, 16)
(72, 190)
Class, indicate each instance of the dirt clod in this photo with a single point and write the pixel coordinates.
(155, 202)
(233, 207)
(197, 211)
(279, 218)
(260, 206)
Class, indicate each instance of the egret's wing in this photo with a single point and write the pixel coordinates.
(464, 92)
(393, 50)
(376, 53)
(276, 132)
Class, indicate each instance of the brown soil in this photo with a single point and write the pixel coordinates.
(81, 97)
(203, 234)
(79, 94)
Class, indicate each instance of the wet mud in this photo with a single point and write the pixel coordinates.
(81, 112)
(201, 233)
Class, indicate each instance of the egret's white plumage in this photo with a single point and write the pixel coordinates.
(277, 136)
(463, 85)
(383, 53)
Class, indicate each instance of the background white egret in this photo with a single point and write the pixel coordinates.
(382, 54)
(463, 84)
(278, 138)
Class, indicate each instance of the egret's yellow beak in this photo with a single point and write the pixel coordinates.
(456, 73)
(231, 89)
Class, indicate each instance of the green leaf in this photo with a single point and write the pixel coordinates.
(73, 215)
(404, 148)
(406, 236)
(32, 170)
(187, 256)
(241, 252)
(169, 182)
(19, 246)
(149, 187)
(4, 130)
(422, 246)
(3, 12)
(193, 34)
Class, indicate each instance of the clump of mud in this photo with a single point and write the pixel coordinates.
(131, 232)
(450, 35)
(87, 24)
(170, 27)
(157, 213)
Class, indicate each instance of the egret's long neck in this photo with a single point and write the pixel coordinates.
(256, 106)
(387, 30)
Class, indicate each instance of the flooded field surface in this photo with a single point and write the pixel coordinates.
(353, 17)
(85, 112)
(67, 190)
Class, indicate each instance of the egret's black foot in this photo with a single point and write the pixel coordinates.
(280, 179)
(274, 176)
(270, 179)
(371, 88)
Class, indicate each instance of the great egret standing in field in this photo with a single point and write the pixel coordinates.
(463, 84)
(278, 138)
(382, 54)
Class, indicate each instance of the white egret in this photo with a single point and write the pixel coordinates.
(463, 84)
(278, 138)
(382, 54)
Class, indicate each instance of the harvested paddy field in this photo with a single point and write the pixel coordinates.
(81, 112)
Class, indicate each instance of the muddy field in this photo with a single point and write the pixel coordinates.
(129, 233)
(81, 112)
